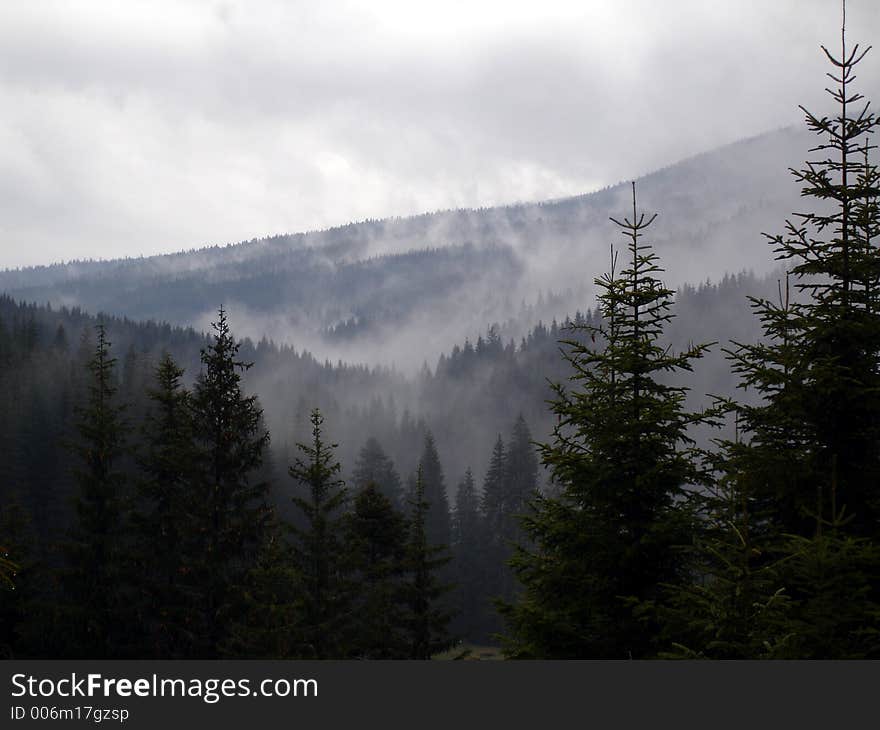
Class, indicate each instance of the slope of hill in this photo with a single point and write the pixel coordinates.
(405, 290)
(471, 394)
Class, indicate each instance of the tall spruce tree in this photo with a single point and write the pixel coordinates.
(318, 544)
(812, 456)
(492, 499)
(815, 435)
(167, 501)
(496, 552)
(510, 484)
(426, 618)
(521, 471)
(520, 479)
(375, 547)
(623, 462)
(95, 581)
(437, 520)
(473, 613)
(229, 515)
(374, 467)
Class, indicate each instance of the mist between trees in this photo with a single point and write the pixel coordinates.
(687, 473)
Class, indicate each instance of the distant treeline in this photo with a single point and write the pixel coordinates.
(149, 519)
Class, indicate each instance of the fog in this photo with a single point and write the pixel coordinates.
(400, 292)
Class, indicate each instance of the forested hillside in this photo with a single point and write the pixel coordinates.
(467, 397)
(468, 400)
(403, 291)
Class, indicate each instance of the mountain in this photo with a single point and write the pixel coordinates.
(402, 291)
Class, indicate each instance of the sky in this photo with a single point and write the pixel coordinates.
(139, 128)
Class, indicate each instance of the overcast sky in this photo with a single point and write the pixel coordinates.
(134, 128)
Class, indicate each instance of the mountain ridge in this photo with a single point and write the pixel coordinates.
(403, 290)
(289, 236)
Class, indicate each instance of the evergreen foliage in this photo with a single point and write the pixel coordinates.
(426, 618)
(318, 545)
(374, 467)
(623, 461)
(167, 494)
(832, 577)
(470, 563)
(520, 484)
(735, 604)
(815, 434)
(492, 500)
(812, 455)
(521, 476)
(269, 613)
(96, 578)
(375, 546)
(229, 513)
(437, 521)
(510, 484)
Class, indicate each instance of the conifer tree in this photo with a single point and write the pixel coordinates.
(318, 545)
(426, 620)
(375, 544)
(520, 483)
(466, 523)
(734, 604)
(163, 523)
(269, 614)
(374, 467)
(623, 461)
(230, 512)
(812, 458)
(496, 552)
(510, 484)
(95, 581)
(469, 561)
(832, 577)
(492, 499)
(815, 435)
(521, 472)
(437, 520)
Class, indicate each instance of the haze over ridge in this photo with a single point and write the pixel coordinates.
(404, 290)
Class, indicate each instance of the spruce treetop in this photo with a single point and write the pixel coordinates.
(813, 438)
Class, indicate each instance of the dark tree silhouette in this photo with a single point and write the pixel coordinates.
(95, 581)
(230, 511)
(318, 545)
(426, 619)
(622, 460)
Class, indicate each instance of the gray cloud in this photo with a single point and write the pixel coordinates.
(141, 127)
